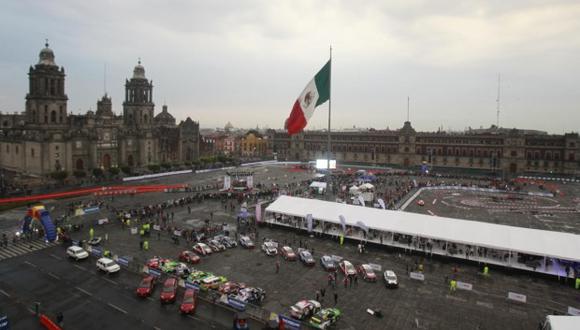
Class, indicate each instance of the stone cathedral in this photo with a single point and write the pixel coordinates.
(47, 138)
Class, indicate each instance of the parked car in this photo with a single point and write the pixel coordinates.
(251, 295)
(231, 287)
(347, 268)
(390, 278)
(189, 257)
(157, 262)
(325, 318)
(169, 290)
(146, 286)
(197, 276)
(212, 282)
(306, 257)
(304, 308)
(108, 266)
(216, 246)
(76, 252)
(421, 202)
(270, 247)
(367, 272)
(188, 304)
(287, 253)
(328, 263)
(202, 249)
(228, 242)
(246, 242)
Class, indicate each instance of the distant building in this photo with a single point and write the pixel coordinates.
(46, 138)
(253, 145)
(510, 151)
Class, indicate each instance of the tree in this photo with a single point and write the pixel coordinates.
(59, 175)
(114, 170)
(98, 173)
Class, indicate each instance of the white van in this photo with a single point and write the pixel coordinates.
(108, 266)
(77, 252)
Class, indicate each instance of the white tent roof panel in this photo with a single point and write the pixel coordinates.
(519, 239)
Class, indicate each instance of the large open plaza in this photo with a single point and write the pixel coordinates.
(427, 303)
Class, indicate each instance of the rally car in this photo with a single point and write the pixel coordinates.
(306, 257)
(188, 304)
(202, 248)
(347, 268)
(189, 256)
(328, 263)
(270, 247)
(175, 267)
(304, 308)
(246, 242)
(197, 276)
(421, 202)
(216, 246)
(231, 287)
(169, 290)
(390, 278)
(367, 273)
(212, 282)
(250, 295)
(287, 253)
(325, 318)
(146, 286)
(156, 262)
(227, 241)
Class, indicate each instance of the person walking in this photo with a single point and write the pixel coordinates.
(322, 292)
(317, 295)
(91, 233)
(345, 281)
(277, 266)
(335, 298)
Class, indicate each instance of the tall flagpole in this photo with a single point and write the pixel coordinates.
(329, 107)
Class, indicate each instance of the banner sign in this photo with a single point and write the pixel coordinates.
(376, 267)
(156, 227)
(123, 261)
(464, 286)
(571, 311)
(154, 272)
(237, 304)
(289, 323)
(259, 212)
(417, 276)
(102, 221)
(4, 323)
(309, 222)
(194, 286)
(342, 222)
(517, 297)
(91, 209)
(96, 251)
(227, 182)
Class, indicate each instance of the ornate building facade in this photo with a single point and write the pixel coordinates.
(46, 138)
(510, 151)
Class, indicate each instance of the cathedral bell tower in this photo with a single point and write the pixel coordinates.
(46, 100)
(138, 106)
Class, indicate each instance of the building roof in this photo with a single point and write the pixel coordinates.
(518, 239)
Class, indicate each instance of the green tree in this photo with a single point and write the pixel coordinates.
(114, 170)
(59, 175)
(79, 174)
(98, 173)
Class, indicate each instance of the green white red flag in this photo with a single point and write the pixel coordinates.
(316, 93)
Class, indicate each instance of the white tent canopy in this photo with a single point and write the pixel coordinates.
(319, 185)
(531, 241)
(353, 190)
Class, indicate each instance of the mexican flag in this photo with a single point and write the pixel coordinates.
(316, 93)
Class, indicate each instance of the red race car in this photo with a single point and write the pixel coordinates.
(288, 253)
(188, 304)
(231, 287)
(146, 286)
(169, 290)
(367, 273)
(347, 268)
(156, 262)
(421, 202)
(189, 256)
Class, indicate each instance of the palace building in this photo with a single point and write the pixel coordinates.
(510, 151)
(47, 138)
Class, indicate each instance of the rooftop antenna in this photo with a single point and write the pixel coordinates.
(105, 78)
(498, 99)
(408, 100)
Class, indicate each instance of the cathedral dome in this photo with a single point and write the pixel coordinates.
(46, 56)
(139, 71)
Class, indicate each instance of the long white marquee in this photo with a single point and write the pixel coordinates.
(518, 239)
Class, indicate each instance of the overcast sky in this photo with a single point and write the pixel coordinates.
(247, 61)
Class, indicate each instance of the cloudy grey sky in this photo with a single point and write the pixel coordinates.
(247, 61)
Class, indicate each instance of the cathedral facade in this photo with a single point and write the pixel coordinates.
(46, 138)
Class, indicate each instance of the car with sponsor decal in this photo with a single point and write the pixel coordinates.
(227, 241)
(390, 279)
(189, 257)
(328, 263)
(76, 252)
(175, 267)
(202, 249)
(367, 272)
(212, 282)
(287, 253)
(246, 242)
(347, 268)
(252, 295)
(306, 257)
(325, 318)
(216, 246)
(231, 287)
(197, 275)
(270, 248)
(146, 286)
(304, 308)
(157, 262)
(169, 290)
(421, 202)
(188, 303)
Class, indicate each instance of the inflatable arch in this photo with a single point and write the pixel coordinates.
(40, 214)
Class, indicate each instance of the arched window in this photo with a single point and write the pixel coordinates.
(53, 117)
(80, 165)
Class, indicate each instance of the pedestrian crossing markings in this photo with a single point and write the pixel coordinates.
(14, 250)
